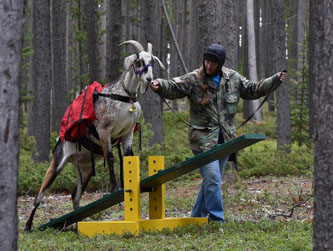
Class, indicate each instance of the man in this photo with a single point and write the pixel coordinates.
(214, 92)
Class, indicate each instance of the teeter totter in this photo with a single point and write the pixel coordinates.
(154, 184)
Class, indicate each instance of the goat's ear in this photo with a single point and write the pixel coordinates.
(159, 62)
(129, 61)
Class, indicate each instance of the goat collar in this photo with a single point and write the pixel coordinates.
(132, 96)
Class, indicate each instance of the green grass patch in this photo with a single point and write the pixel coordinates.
(263, 235)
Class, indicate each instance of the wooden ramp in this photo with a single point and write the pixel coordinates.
(146, 185)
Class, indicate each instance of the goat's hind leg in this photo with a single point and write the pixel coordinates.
(108, 155)
(57, 164)
(84, 175)
(121, 165)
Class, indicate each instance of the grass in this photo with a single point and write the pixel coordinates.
(263, 235)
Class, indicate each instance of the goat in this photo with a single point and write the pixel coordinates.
(116, 119)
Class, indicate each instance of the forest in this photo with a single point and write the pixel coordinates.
(51, 50)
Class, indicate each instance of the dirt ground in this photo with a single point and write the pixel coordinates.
(284, 198)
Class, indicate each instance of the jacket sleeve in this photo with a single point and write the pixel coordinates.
(255, 90)
(175, 88)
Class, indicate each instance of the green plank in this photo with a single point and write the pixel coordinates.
(218, 152)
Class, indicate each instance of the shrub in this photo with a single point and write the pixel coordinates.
(263, 159)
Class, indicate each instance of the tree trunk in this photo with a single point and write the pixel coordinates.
(194, 57)
(92, 46)
(26, 52)
(150, 102)
(59, 74)
(102, 44)
(184, 41)
(268, 53)
(173, 52)
(41, 78)
(252, 57)
(217, 24)
(70, 51)
(244, 57)
(261, 41)
(279, 60)
(113, 33)
(321, 75)
(291, 35)
(10, 56)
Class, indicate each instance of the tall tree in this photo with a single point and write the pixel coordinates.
(26, 53)
(113, 34)
(267, 53)
(217, 24)
(252, 57)
(151, 103)
(59, 75)
(321, 76)
(243, 53)
(102, 10)
(193, 55)
(41, 78)
(278, 49)
(70, 48)
(10, 56)
(92, 35)
(174, 59)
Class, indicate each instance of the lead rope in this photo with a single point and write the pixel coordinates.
(174, 111)
(265, 99)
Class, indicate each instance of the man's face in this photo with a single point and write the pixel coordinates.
(211, 67)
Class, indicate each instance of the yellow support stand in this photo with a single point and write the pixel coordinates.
(156, 197)
(133, 223)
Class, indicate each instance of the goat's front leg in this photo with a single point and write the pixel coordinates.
(127, 144)
(108, 155)
(127, 147)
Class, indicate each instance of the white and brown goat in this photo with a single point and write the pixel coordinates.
(115, 119)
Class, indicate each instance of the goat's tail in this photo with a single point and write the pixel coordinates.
(57, 144)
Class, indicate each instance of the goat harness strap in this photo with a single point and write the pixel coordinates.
(131, 99)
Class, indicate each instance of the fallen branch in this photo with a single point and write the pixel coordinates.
(292, 209)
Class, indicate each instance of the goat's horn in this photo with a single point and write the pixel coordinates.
(150, 48)
(137, 46)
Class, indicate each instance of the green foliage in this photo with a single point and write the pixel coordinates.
(267, 126)
(262, 159)
(27, 51)
(299, 100)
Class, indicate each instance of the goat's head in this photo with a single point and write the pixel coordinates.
(141, 63)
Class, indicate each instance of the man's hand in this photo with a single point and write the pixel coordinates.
(155, 85)
(282, 76)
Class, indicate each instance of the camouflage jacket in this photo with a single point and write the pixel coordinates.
(213, 109)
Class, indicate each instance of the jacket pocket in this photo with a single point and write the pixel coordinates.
(231, 103)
